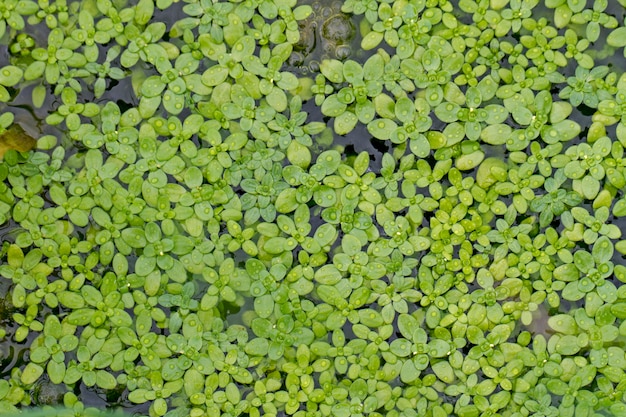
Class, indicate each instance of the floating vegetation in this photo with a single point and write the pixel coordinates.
(429, 222)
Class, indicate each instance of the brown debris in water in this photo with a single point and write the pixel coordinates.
(15, 138)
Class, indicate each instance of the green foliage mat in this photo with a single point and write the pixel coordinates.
(207, 248)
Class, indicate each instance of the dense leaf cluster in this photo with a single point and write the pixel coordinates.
(207, 251)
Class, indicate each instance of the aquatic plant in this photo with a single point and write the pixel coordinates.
(194, 224)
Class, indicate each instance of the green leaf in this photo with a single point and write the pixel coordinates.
(496, 134)
(574, 170)
(571, 292)
(31, 373)
(102, 359)
(469, 161)
(345, 123)
(144, 11)
(500, 333)
(15, 256)
(617, 38)
(619, 310)
(409, 371)
(138, 396)
(56, 371)
(567, 272)
(560, 111)
(10, 75)
(80, 317)
(329, 160)
(407, 325)
(438, 348)
(234, 30)
(172, 102)
(370, 318)
(374, 67)
(144, 265)
(371, 40)
(243, 47)
(444, 371)
(602, 250)
(584, 261)
(182, 245)
(562, 131)
(302, 336)
(257, 347)
(400, 347)
(264, 305)
(333, 107)
(5, 96)
(381, 128)
(39, 354)
(385, 106)
(34, 71)
(332, 69)
(351, 245)
(152, 86)
(325, 234)
(325, 196)
(328, 275)
(214, 76)
(71, 300)
(134, 237)
(278, 245)
(352, 71)
(563, 323)
(567, 345)
(105, 380)
(277, 99)
(447, 112)
(91, 295)
(286, 201)
(299, 154)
